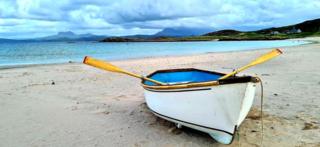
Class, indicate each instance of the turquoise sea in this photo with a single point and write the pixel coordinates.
(23, 53)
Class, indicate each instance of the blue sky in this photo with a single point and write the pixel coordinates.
(35, 18)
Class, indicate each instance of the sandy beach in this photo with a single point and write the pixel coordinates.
(77, 105)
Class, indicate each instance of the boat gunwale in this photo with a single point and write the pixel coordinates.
(230, 80)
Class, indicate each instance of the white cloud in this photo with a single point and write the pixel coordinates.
(121, 17)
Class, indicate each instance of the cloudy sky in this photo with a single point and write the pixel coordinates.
(35, 18)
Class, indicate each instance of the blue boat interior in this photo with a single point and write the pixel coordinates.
(181, 77)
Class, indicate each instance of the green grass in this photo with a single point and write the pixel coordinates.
(244, 36)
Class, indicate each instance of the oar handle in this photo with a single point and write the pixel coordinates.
(153, 81)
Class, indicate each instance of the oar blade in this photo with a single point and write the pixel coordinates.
(109, 67)
(261, 59)
(266, 57)
(101, 64)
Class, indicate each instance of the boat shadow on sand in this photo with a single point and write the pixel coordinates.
(277, 130)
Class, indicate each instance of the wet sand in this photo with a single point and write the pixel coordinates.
(77, 105)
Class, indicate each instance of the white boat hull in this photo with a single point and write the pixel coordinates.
(216, 110)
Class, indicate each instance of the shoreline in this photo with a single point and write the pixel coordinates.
(308, 40)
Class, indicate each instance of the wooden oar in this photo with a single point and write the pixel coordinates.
(263, 58)
(109, 67)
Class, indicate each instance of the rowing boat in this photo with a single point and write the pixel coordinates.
(198, 99)
(212, 102)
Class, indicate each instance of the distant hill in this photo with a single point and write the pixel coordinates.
(139, 36)
(183, 32)
(140, 39)
(70, 36)
(309, 26)
(167, 34)
(223, 32)
(304, 29)
(171, 32)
